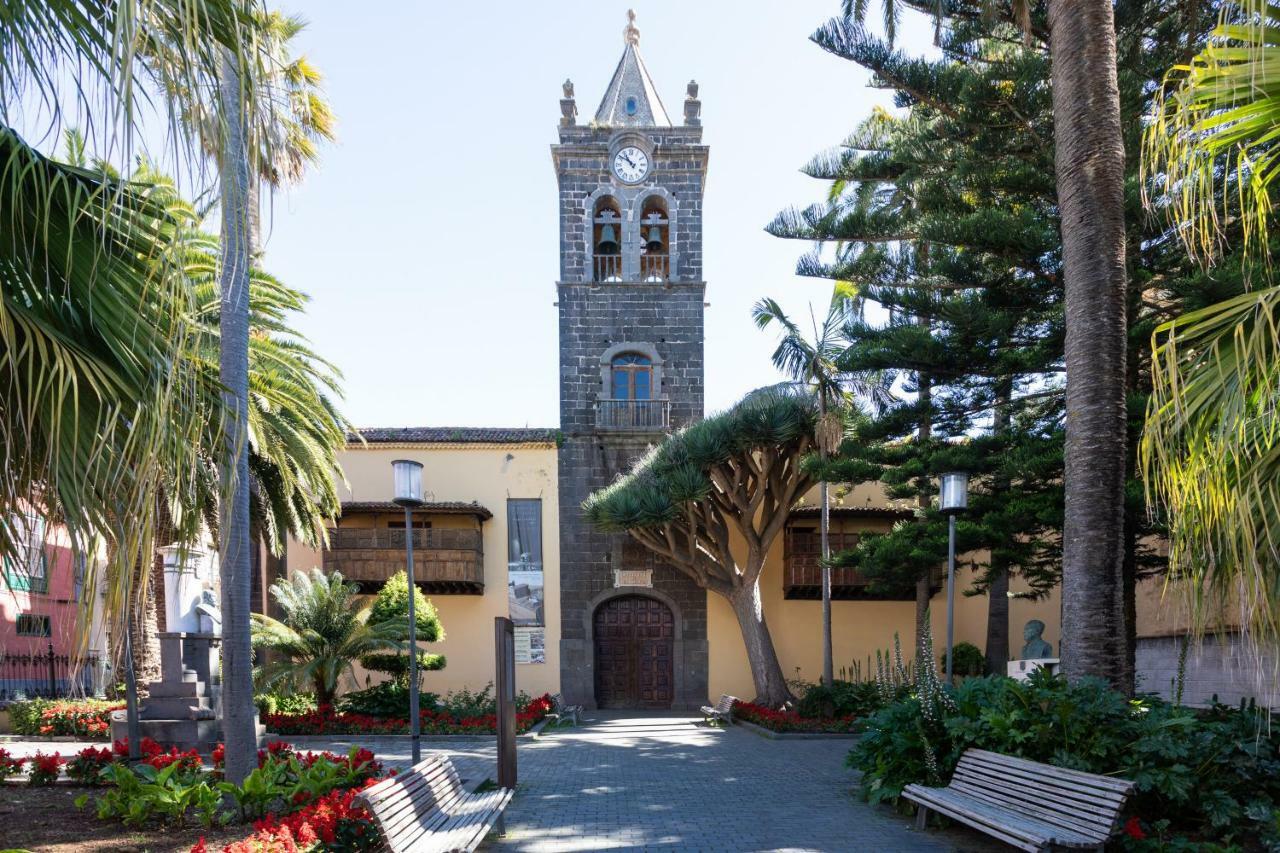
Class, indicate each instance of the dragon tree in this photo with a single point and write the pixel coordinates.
(711, 500)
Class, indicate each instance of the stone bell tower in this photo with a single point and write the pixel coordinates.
(631, 291)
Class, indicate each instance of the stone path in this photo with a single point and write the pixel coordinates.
(666, 782)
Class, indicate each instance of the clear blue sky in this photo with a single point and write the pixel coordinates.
(427, 236)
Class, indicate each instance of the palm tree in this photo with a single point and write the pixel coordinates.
(813, 363)
(1089, 165)
(324, 632)
(1089, 161)
(1209, 446)
(238, 711)
(93, 308)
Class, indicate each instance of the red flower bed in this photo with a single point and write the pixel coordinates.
(45, 768)
(88, 719)
(86, 767)
(155, 755)
(9, 766)
(789, 721)
(326, 721)
(330, 823)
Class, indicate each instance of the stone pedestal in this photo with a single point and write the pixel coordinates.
(184, 707)
(1021, 669)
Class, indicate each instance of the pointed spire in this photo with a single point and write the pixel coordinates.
(631, 99)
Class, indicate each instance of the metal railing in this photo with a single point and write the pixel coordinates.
(633, 415)
(30, 674)
(654, 267)
(607, 268)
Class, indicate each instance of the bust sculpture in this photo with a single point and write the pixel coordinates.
(1035, 646)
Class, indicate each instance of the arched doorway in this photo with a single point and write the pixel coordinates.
(634, 651)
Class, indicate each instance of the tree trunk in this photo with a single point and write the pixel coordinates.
(766, 671)
(239, 715)
(253, 228)
(144, 636)
(828, 665)
(997, 649)
(924, 588)
(1089, 162)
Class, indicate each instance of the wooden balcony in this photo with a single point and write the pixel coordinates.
(633, 415)
(445, 561)
(802, 569)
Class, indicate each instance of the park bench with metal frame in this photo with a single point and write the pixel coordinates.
(1032, 806)
(427, 810)
(563, 712)
(723, 710)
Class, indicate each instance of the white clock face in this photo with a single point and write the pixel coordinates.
(630, 164)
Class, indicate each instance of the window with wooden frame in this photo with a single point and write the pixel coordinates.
(632, 377)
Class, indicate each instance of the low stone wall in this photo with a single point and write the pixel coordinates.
(1222, 665)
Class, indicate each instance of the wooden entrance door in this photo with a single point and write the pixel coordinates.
(634, 648)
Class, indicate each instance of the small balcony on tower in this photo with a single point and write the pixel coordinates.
(632, 401)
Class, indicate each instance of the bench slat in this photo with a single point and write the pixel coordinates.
(1123, 786)
(427, 809)
(1020, 788)
(1090, 826)
(1079, 792)
(1026, 803)
(1020, 825)
(996, 829)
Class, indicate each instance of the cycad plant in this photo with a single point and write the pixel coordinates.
(325, 631)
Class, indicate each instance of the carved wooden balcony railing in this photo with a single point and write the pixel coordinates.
(445, 560)
(802, 569)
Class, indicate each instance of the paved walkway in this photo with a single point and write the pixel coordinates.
(666, 782)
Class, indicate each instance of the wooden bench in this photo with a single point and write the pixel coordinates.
(563, 712)
(426, 809)
(723, 709)
(1029, 805)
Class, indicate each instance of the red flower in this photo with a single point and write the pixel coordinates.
(1133, 828)
(45, 768)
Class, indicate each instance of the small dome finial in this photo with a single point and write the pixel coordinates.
(631, 34)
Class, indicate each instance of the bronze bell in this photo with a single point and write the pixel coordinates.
(654, 243)
(608, 244)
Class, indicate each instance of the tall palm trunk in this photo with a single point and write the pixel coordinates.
(1089, 162)
(824, 523)
(239, 716)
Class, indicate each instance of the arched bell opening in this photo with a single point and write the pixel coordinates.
(606, 240)
(655, 240)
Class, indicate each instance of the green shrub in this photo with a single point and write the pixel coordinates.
(841, 699)
(1213, 775)
(275, 702)
(392, 607)
(388, 699)
(969, 660)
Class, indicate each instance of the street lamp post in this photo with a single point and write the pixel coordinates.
(408, 486)
(954, 499)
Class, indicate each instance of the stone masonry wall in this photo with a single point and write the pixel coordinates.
(666, 317)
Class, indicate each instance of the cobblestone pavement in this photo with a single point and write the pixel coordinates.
(669, 783)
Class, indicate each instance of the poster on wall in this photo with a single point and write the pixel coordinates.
(524, 592)
(524, 562)
(531, 645)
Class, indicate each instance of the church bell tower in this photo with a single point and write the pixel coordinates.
(631, 296)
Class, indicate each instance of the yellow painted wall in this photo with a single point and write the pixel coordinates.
(858, 628)
(487, 475)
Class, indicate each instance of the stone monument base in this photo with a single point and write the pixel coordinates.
(1022, 669)
(184, 707)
